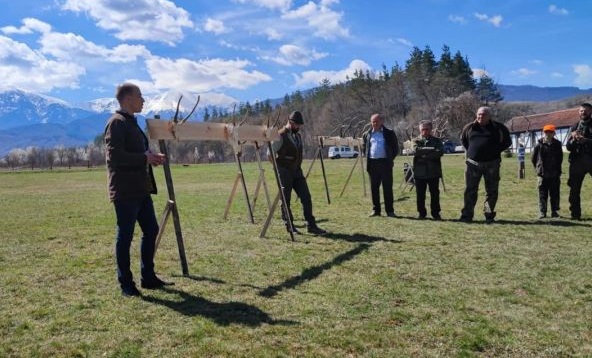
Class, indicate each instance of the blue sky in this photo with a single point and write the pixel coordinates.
(247, 50)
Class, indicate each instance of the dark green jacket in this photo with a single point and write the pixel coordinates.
(426, 160)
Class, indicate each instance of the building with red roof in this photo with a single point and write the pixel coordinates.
(527, 130)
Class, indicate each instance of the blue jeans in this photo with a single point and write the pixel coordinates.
(128, 211)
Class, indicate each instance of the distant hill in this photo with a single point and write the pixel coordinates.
(527, 93)
(30, 119)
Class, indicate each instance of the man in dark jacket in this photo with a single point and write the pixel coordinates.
(547, 157)
(484, 140)
(579, 144)
(380, 146)
(288, 152)
(129, 164)
(427, 169)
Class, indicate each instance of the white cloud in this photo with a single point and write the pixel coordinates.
(553, 9)
(536, 62)
(152, 20)
(313, 78)
(282, 5)
(215, 26)
(71, 47)
(203, 75)
(557, 75)
(405, 42)
(524, 72)
(583, 75)
(30, 25)
(324, 21)
(457, 19)
(479, 72)
(272, 34)
(128, 53)
(22, 67)
(495, 20)
(294, 55)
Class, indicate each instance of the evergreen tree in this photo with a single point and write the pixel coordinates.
(463, 72)
(487, 90)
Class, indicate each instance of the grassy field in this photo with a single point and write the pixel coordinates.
(376, 287)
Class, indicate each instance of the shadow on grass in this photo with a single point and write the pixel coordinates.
(313, 272)
(402, 198)
(217, 281)
(224, 314)
(203, 278)
(544, 222)
(357, 237)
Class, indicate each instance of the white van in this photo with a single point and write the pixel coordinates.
(343, 151)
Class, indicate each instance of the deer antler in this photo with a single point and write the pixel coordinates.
(244, 118)
(277, 118)
(192, 110)
(175, 118)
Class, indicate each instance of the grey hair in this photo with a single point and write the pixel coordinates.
(426, 123)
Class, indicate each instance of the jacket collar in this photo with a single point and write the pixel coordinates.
(126, 115)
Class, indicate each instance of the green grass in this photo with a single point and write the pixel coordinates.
(374, 287)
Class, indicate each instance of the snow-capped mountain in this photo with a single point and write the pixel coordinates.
(165, 104)
(100, 105)
(30, 119)
(18, 108)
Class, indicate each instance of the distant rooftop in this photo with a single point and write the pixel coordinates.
(535, 122)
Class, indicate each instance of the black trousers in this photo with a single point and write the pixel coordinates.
(381, 173)
(577, 172)
(548, 188)
(293, 179)
(420, 187)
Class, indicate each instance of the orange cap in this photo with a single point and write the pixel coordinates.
(549, 128)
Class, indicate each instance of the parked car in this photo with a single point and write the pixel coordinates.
(452, 147)
(343, 151)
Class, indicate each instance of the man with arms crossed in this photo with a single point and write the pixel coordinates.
(484, 140)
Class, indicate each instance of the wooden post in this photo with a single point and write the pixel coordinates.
(284, 205)
(163, 221)
(261, 180)
(362, 168)
(323, 169)
(349, 176)
(231, 197)
(245, 192)
(177, 222)
(521, 156)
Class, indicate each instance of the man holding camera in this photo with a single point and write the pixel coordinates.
(579, 144)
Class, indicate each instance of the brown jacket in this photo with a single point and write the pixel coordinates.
(125, 144)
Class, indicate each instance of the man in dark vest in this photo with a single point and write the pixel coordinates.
(380, 146)
(579, 145)
(129, 163)
(484, 140)
(427, 169)
(288, 152)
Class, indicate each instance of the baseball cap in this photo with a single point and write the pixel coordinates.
(549, 128)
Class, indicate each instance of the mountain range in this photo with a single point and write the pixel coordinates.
(30, 119)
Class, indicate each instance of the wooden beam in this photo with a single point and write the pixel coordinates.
(167, 130)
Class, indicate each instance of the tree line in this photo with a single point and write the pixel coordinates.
(442, 89)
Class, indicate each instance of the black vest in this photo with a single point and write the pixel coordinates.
(289, 156)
